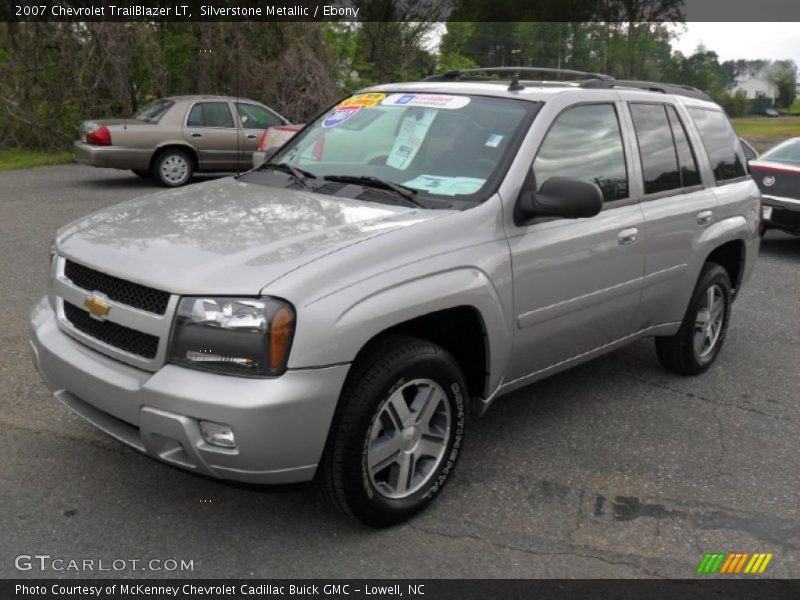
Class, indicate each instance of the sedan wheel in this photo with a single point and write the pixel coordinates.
(174, 168)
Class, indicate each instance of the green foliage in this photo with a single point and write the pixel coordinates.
(784, 75)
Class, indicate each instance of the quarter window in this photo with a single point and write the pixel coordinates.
(656, 148)
(585, 142)
(721, 143)
(210, 114)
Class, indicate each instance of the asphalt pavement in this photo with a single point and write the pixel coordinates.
(616, 468)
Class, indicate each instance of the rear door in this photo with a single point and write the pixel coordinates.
(253, 120)
(677, 209)
(210, 128)
(577, 283)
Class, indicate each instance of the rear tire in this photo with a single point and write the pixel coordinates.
(397, 433)
(143, 173)
(173, 168)
(694, 348)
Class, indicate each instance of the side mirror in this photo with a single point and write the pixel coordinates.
(563, 197)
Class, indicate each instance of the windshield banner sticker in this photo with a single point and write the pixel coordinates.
(446, 186)
(363, 100)
(339, 115)
(426, 100)
(413, 130)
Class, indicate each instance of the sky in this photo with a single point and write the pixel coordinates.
(775, 41)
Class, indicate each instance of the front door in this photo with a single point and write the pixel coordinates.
(577, 283)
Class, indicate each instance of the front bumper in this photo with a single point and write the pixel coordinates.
(785, 213)
(114, 157)
(281, 424)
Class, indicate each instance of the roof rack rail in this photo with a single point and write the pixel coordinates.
(587, 80)
(650, 86)
(515, 73)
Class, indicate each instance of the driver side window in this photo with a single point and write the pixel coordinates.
(585, 142)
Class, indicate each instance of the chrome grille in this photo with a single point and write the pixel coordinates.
(119, 290)
(119, 336)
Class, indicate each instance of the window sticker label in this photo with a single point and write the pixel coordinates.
(446, 186)
(339, 115)
(494, 140)
(410, 137)
(363, 100)
(426, 100)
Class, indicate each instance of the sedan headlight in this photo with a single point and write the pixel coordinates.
(237, 336)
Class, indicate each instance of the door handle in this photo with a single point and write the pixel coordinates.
(197, 135)
(626, 237)
(705, 217)
(251, 136)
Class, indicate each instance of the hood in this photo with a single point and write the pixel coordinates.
(225, 236)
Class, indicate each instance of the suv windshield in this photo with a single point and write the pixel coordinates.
(153, 112)
(443, 146)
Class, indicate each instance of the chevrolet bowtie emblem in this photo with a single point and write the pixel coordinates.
(97, 306)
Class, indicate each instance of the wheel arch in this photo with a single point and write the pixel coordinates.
(458, 309)
(173, 145)
(730, 256)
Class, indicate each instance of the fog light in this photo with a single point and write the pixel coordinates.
(218, 434)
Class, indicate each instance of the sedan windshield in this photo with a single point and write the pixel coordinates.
(788, 152)
(436, 146)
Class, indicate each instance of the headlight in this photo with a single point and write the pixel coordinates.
(237, 336)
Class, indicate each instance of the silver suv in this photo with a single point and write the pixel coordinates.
(414, 253)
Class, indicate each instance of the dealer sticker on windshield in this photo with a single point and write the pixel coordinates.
(426, 100)
(339, 115)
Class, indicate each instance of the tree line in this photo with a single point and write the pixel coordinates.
(54, 75)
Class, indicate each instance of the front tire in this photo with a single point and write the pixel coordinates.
(143, 173)
(173, 168)
(694, 348)
(397, 434)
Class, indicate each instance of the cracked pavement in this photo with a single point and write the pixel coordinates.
(613, 469)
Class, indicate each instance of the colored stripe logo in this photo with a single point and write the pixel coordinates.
(734, 563)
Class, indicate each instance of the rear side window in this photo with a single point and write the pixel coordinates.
(721, 144)
(656, 148)
(585, 142)
(690, 174)
(153, 112)
(210, 114)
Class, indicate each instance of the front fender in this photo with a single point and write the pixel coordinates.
(333, 329)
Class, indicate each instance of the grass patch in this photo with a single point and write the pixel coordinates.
(765, 132)
(24, 159)
(794, 109)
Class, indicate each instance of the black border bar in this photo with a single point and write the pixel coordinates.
(400, 10)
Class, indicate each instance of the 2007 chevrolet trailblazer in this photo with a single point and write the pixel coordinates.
(417, 250)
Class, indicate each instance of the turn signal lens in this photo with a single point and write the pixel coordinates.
(280, 335)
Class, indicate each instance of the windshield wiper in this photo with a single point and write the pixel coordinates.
(407, 193)
(299, 175)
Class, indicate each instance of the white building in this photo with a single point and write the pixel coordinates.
(755, 86)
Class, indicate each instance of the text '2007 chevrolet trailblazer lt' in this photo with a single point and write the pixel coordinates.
(413, 254)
